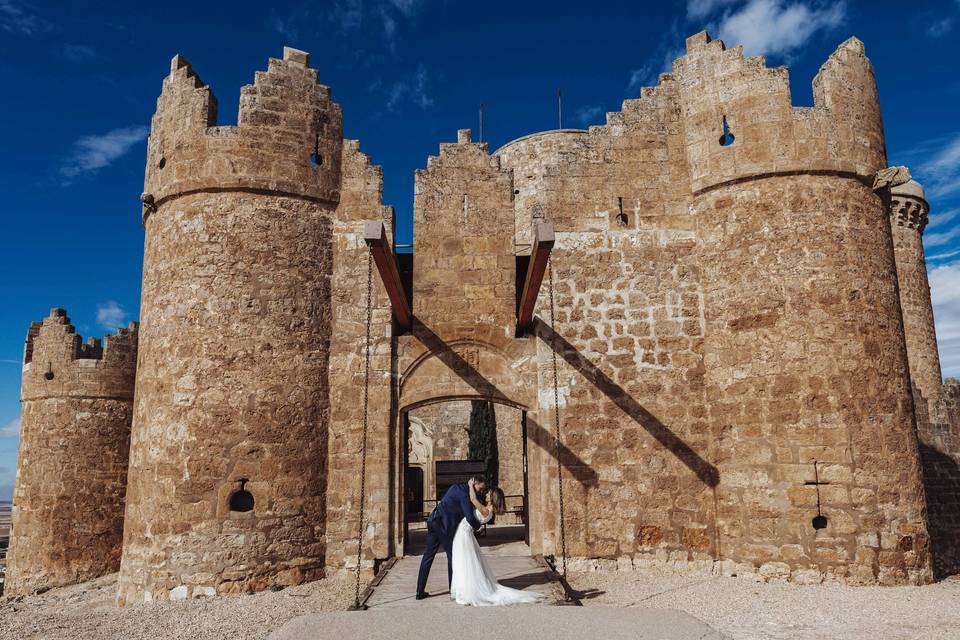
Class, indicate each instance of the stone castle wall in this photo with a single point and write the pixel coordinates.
(908, 218)
(730, 318)
(72, 469)
(938, 423)
(361, 199)
(779, 398)
(232, 388)
(685, 339)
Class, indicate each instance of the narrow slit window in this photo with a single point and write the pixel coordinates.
(316, 157)
(727, 138)
(622, 218)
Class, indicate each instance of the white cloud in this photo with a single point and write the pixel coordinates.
(940, 174)
(941, 218)
(389, 25)
(702, 8)
(588, 114)
(940, 27)
(11, 429)
(414, 89)
(945, 294)
(78, 52)
(111, 315)
(91, 153)
(406, 7)
(941, 238)
(648, 74)
(347, 15)
(18, 17)
(943, 256)
(778, 27)
(286, 27)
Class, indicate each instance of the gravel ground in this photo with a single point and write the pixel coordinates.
(743, 609)
(738, 607)
(86, 611)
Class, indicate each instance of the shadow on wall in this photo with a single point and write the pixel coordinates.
(941, 479)
(706, 472)
(469, 374)
(457, 364)
(579, 469)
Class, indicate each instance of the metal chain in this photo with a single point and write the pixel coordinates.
(363, 446)
(556, 423)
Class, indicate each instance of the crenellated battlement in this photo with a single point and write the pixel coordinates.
(362, 186)
(57, 362)
(463, 152)
(739, 120)
(287, 140)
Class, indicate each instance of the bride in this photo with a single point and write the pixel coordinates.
(473, 581)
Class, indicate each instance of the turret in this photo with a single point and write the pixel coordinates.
(72, 470)
(229, 445)
(908, 209)
(802, 336)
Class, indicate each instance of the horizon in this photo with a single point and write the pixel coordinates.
(408, 74)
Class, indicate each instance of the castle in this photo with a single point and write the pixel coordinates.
(733, 339)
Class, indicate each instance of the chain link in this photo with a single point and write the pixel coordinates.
(556, 423)
(363, 446)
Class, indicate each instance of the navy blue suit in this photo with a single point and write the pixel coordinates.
(442, 526)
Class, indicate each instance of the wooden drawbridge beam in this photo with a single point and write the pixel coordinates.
(375, 235)
(542, 244)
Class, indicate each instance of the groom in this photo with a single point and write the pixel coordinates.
(442, 525)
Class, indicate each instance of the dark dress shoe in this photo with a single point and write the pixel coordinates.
(422, 595)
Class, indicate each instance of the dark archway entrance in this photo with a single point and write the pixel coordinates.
(436, 455)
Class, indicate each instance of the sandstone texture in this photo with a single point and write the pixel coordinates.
(734, 340)
(232, 391)
(72, 469)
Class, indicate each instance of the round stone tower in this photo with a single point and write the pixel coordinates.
(807, 383)
(228, 452)
(72, 472)
(908, 217)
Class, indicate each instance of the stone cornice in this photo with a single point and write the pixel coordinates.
(910, 212)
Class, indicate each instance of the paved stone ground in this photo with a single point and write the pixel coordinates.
(395, 614)
(495, 623)
(508, 556)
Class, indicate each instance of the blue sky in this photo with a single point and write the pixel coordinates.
(80, 82)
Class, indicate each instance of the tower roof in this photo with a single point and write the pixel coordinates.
(911, 188)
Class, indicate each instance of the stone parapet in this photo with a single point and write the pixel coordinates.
(58, 363)
(287, 140)
(722, 92)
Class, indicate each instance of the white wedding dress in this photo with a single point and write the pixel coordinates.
(473, 581)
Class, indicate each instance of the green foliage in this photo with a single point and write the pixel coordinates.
(483, 439)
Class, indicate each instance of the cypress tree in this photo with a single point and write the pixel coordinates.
(483, 439)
